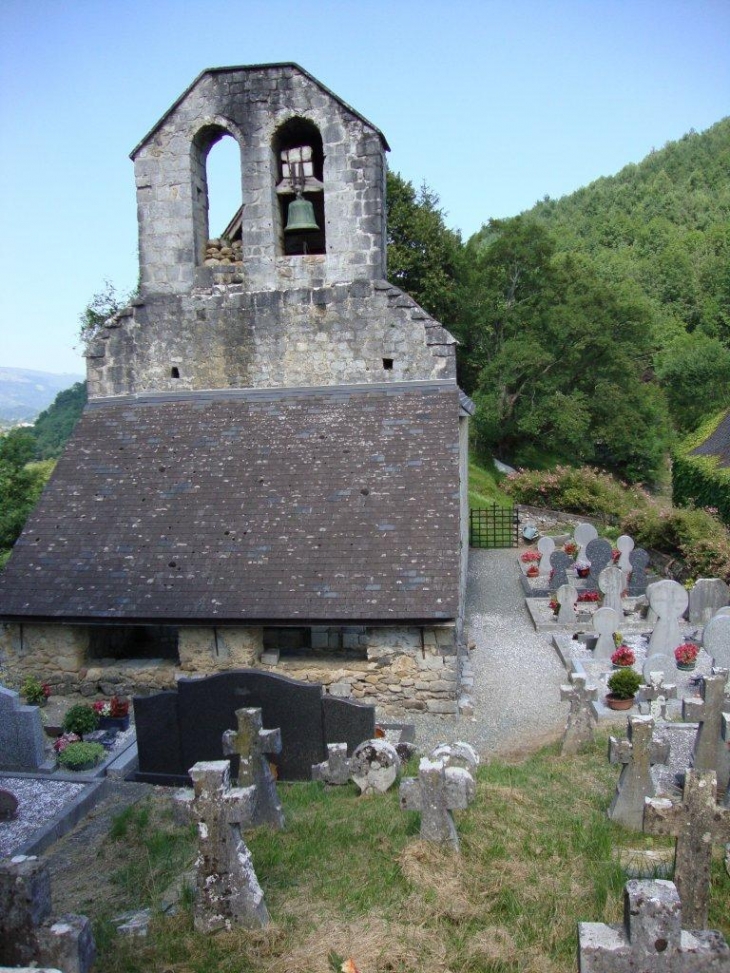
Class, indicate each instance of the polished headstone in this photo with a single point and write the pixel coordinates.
(639, 559)
(600, 553)
(560, 562)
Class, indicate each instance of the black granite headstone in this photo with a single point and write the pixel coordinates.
(600, 553)
(158, 735)
(346, 722)
(560, 562)
(639, 562)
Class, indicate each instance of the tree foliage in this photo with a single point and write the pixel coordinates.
(21, 483)
(54, 426)
(103, 305)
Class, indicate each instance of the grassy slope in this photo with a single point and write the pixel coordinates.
(484, 488)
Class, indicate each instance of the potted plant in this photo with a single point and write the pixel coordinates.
(34, 691)
(623, 657)
(529, 556)
(686, 655)
(80, 756)
(582, 567)
(570, 548)
(533, 571)
(80, 719)
(622, 685)
(113, 713)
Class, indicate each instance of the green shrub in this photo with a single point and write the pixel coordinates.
(80, 719)
(700, 480)
(77, 755)
(624, 683)
(34, 691)
(695, 536)
(581, 490)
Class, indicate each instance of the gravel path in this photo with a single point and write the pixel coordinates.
(517, 673)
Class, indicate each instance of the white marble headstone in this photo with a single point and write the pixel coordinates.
(605, 623)
(625, 544)
(546, 546)
(582, 535)
(567, 598)
(669, 600)
(611, 583)
(706, 597)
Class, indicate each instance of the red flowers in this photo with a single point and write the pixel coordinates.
(686, 653)
(623, 656)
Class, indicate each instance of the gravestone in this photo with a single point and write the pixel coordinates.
(28, 934)
(580, 729)
(583, 535)
(611, 583)
(639, 559)
(723, 611)
(8, 806)
(600, 553)
(335, 770)
(637, 752)
(651, 939)
(228, 891)
(668, 600)
(658, 662)
(21, 734)
(567, 598)
(374, 766)
(710, 750)
(697, 823)
(625, 546)
(457, 754)
(251, 744)
(716, 640)
(656, 693)
(178, 729)
(560, 562)
(546, 546)
(707, 596)
(436, 792)
(605, 622)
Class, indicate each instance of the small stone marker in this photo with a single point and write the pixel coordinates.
(567, 598)
(251, 743)
(546, 546)
(656, 693)
(559, 564)
(625, 545)
(8, 806)
(651, 939)
(436, 792)
(710, 750)
(582, 720)
(228, 892)
(605, 622)
(611, 583)
(668, 599)
(457, 754)
(374, 766)
(697, 823)
(716, 640)
(707, 596)
(583, 535)
(639, 559)
(600, 553)
(335, 770)
(637, 752)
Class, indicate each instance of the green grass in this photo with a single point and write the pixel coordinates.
(484, 487)
(349, 876)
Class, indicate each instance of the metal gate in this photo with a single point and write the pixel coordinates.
(494, 526)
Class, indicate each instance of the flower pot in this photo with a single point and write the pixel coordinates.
(615, 665)
(613, 702)
(686, 666)
(114, 723)
(582, 572)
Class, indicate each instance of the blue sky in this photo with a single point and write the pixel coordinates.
(493, 104)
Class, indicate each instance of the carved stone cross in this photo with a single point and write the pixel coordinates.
(582, 719)
(611, 583)
(710, 751)
(567, 598)
(656, 693)
(637, 752)
(335, 769)
(436, 792)
(228, 892)
(697, 823)
(668, 600)
(251, 743)
(605, 622)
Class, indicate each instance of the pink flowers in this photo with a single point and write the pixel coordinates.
(686, 653)
(623, 656)
(63, 741)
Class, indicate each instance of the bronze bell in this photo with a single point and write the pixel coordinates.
(300, 217)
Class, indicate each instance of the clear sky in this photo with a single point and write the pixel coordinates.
(493, 103)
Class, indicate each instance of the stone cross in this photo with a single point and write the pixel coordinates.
(697, 823)
(546, 546)
(582, 719)
(374, 766)
(706, 597)
(559, 564)
(625, 545)
(600, 553)
(656, 693)
(716, 640)
(228, 892)
(611, 583)
(605, 622)
(668, 599)
(710, 751)
(251, 743)
(457, 754)
(28, 934)
(335, 770)
(639, 563)
(637, 752)
(583, 535)
(436, 792)
(651, 939)
(567, 598)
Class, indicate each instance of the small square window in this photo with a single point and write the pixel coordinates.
(388, 364)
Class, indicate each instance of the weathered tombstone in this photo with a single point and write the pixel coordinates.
(669, 600)
(637, 752)
(580, 729)
(716, 640)
(27, 933)
(605, 622)
(639, 559)
(335, 770)
(21, 734)
(710, 750)
(8, 806)
(611, 583)
(697, 823)
(567, 598)
(656, 693)
(436, 792)
(658, 663)
(583, 535)
(374, 766)
(251, 743)
(559, 563)
(707, 596)
(625, 546)
(457, 754)
(600, 553)
(651, 939)
(546, 546)
(228, 891)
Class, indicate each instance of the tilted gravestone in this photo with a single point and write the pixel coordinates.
(21, 734)
(567, 598)
(583, 535)
(546, 546)
(639, 559)
(697, 823)
(228, 891)
(710, 750)
(657, 693)
(668, 600)
(605, 622)
(581, 725)
(436, 792)
(707, 596)
(600, 553)
(456, 754)
(559, 563)
(651, 939)
(27, 933)
(637, 752)
(251, 744)
(716, 640)
(374, 766)
(611, 583)
(335, 770)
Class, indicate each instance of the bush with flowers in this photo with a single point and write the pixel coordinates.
(533, 571)
(623, 656)
(34, 691)
(114, 707)
(63, 741)
(686, 653)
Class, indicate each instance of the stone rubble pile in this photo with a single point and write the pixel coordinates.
(219, 252)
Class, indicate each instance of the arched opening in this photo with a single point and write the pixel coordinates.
(299, 168)
(217, 196)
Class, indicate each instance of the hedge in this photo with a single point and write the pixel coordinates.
(700, 481)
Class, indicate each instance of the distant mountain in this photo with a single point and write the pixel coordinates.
(24, 394)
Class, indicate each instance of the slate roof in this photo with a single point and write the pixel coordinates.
(717, 444)
(331, 504)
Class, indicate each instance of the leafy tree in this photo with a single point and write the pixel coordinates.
(695, 372)
(54, 426)
(21, 483)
